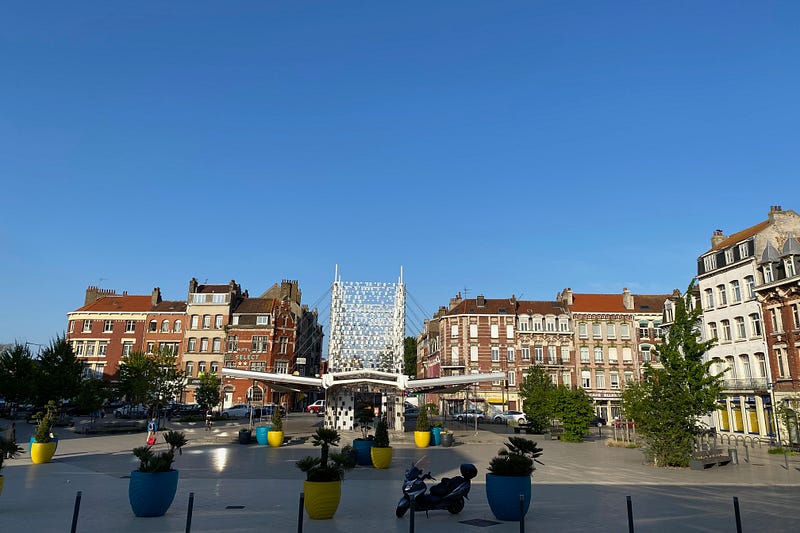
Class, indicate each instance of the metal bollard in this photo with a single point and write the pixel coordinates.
(411, 518)
(300, 513)
(733, 453)
(786, 459)
(630, 515)
(75, 511)
(738, 515)
(521, 513)
(189, 513)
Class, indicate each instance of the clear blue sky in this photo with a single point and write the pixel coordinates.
(503, 147)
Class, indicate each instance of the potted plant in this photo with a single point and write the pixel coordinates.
(509, 476)
(447, 438)
(422, 436)
(44, 441)
(364, 418)
(275, 434)
(152, 487)
(381, 452)
(436, 434)
(324, 475)
(8, 449)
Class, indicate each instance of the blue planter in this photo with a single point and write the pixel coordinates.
(503, 495)
(363, 447)
(261, 434)
(436, 436)
(151, 493)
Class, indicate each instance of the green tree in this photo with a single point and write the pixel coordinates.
(150, 379)
(17, 374)
(207, 393)
(537, 398)
(573, 407)
(58, 373)
(92, 395)
(410, 356)
(669, 401)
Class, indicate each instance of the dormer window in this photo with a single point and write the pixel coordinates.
(790, 268)
(769, 275)
(729, 259)
(744, 250)
(710, 262)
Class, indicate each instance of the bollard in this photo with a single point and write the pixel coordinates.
(300, 513)
(733, 453)
(521, 513)
(786, 459)
(189, 513)
(75, 511)
(746, 454)
(630, 515)
(738, 516)
(411, 518)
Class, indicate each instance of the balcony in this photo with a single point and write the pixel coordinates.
(745, 384)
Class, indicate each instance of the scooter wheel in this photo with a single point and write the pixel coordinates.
(402, 507)
(456, 507)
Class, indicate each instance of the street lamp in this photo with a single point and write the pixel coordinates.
(771, 388)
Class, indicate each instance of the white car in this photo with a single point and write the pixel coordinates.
(509, 416)
(236, 411)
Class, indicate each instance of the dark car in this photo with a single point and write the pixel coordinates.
(598, 421)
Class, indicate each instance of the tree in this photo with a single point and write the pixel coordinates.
(573, 407)
(207, 393)
(150, 379)
(58, 373)
(16, 374)
(537, 393)
(92, 395)
(410, 356)
(669, 401)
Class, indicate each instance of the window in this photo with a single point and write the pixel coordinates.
(259, 343)
(79, 348)
(657, 333)
(726, 330)
(262, 320)
(206, 321)
(762, 365)
(566, 379)
(214, 367)
(614, 381)
(709, 299)
(751, 287)
(736, 291)
(473, 353)
(628, 376)
(644, 351)
(550, 323)
(165, 326)
(600, 379)
(495, 333)
(283, 344)
(612, 355)
(597, 332)
(233, 343)
(723, 294)
(282, 367)
(537, 323)
(170, 347)
(201, 367)
(454, 355)
(644, 331)
(538, 354)
(189, 369)
(153, 326)
(781, 363)
(710, 262)
(512, 378)
(526, 353)
(195, 321)
(741, 332)
(731, 367)
(127, 348)
(565, 354)
(495, 353)
(729, 256)
(523, 324)
(755, 324)
(102, 348)
(215, 345)
(509, 331)
(624, 331)
(235, 320)
(582, 331)
(552, 357)
(744, 250)
(788, 264)
(769, 277)
(130, 326)
(258, 366)
(150, 347)
(796, 315)
(627, 355)
(510, 355)
(611, 331)
(99, 369)
(745, 360)
(177, 327)
(71, 325)
(584, 354)
(712, 330)
(473, 331)
(586, 378)
(218, 322)
(598, 354)
(563, 324)
(454, 330)
(204, 344)
(87, 326)
(775, 320)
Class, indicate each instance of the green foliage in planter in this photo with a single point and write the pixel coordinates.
(329, 466)
(422, 419)
(517, 459)
(277, 421)
(44, 429)
(150, 461)
(8, 448)
(382, 433)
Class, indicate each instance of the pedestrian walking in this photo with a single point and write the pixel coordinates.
(208, 420)
(152, 427)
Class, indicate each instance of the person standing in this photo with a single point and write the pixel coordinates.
(152, 427)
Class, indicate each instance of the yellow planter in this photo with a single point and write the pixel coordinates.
(42, 452)
(422, 438)
(275, 438)
(381, 457)
(322, 498)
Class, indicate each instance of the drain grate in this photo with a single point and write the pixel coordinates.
(234, 507)
(479, 522)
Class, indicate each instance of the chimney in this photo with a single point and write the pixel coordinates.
(775, 210)
(565, 297)
(94, 293)
(455, 301)
(480, 301)
(627, 299)
(155, 297)
(192, 285)
(717, 238)
(676, 293)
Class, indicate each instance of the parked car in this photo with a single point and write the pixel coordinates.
(509, 416)
(236, 411)
(131, 411)
(267, 410)
(411, 411)
(317, 407)
(469, 414)
(180, 410)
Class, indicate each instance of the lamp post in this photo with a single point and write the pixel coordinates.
(771, 388)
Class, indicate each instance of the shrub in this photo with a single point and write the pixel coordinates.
(329, 466)
(44, 429)
(277, 421)
(517, 459)
(150, 461)
(382, 433)
(422, 419)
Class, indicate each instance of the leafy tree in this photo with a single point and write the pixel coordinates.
(668, 403)
(92, 395)
(410, 356)
(17, 374)
(58, 374)
(207, 393)
(573, 407)
(150, 379)
(537, 393)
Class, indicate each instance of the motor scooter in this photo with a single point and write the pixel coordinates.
(448, 494)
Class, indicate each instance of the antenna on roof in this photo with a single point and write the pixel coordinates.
(466, 291)
(100, 283)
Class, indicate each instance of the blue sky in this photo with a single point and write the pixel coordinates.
(502, 147)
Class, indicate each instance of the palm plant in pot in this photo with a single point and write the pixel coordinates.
(324, 475)
(8, 449)
(510, 476)
(364, 418)
(381, 452)
(422, 436)
(152, 487)
(275, 434)
(44, 441)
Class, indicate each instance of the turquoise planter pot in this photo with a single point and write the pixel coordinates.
(436, 436)
(363, 447)
(151, 493)
(261, 434)
(503, 495)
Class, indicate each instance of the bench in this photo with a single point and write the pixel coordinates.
(701, 463)
(519, 428)
(111, 426)
(556, 433)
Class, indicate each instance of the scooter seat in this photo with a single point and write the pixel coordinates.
(446, 486)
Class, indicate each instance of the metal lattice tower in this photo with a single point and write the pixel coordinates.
(368, 321)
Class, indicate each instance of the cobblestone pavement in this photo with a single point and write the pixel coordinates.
(251, 488)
